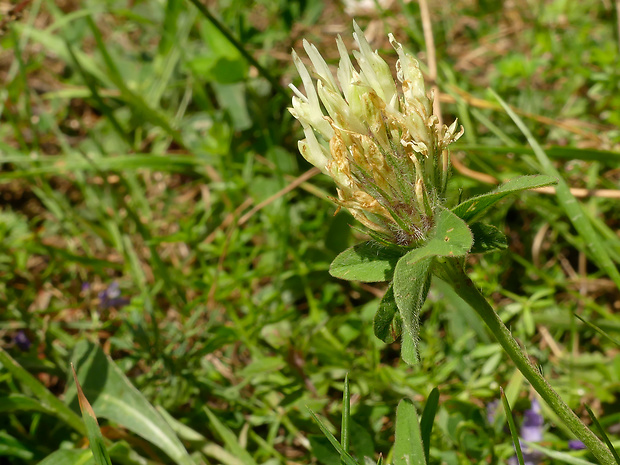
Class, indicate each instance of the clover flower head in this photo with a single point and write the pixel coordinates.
(380, 142)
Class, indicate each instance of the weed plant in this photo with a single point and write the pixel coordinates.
(160, 231)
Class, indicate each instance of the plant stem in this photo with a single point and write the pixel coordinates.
(451, 272)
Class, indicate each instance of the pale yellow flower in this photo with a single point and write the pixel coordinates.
(379, 142)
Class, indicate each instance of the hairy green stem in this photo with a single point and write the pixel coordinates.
(450, 271)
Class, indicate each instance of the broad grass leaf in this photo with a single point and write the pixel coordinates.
(472, 209)
(408, 447)
(487, 238)
(114, 397)
(369, 262)
(387, 324)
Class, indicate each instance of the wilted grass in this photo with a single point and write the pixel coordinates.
(135, 137)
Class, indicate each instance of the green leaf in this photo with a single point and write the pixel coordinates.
(115, 398)
(408, 447)
(369, 262)
(513, 428)
(450, 238)
(412, 281)
(97, 444)
(387, 323)
(594, 327)
(602, 432)
(427, 420)
(346, 416)
(472, 209)
(487, 238)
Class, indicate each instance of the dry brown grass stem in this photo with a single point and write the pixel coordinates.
(293, 185)
(431, 56)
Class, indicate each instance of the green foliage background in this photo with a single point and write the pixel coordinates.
(139, 146)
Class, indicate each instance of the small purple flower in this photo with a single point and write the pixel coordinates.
(22, 341)
(576, 444)
(532, 426)
(531, 431)
(111, 297)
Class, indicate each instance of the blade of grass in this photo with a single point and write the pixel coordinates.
(603, 434)
(97, 444)
(569, 203)
(344, 455)
(346, 416)
(598, 330)
(427, 420)
(513, 427)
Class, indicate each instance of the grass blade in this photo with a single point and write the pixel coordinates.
(346, 459)
(598, 330)
(346, 416)
(427, 420)
(603, 434)
(513, 428)
(97, 444)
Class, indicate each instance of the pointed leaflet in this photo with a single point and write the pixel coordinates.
(408, 447)
(451, 238)
(472, 209)
(369, 262)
